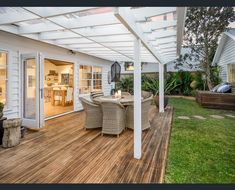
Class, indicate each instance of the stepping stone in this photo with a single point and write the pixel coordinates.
(233, 116)
(183, 117)
(217, 116)
(199, 117)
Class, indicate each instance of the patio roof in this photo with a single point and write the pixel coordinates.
(105, 32)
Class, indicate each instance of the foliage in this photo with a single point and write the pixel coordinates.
(203, 26)
(152, 85)
(1, 106)
(214, 76)
(180, 83)
(200, 151)
(183, 80)
(126, 84)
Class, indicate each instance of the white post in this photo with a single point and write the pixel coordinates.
(161, 87)
(137, 100)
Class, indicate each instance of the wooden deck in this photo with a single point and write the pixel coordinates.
(66, 153)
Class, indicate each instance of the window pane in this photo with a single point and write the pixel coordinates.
(90, 79)
(97, 78)
(30, 89)
(3, 76)
(85, 78)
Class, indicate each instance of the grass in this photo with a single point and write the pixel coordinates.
(200, 151)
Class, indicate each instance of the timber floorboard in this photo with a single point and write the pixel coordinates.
(63, 152)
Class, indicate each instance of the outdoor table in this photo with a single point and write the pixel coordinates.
(125, 100)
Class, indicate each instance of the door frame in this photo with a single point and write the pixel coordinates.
(74, 85)
(39, 120)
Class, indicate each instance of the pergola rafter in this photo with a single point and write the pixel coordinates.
(80, 28)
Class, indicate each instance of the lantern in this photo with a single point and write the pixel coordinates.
(115, 72)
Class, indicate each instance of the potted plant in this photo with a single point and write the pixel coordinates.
(152, 85)
(1, 109)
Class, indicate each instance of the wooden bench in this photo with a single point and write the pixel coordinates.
(209, 99)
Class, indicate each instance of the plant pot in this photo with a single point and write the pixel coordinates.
(156, 100)
(1, 115)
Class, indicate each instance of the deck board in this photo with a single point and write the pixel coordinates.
(64, 152)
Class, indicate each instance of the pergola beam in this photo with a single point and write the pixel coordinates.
(13, 17)
(141, 14)
(87, 21)
(51, 11)
(157, 25)
(69, 29)
(128, 20)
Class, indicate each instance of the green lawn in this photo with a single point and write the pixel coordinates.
(200, 151)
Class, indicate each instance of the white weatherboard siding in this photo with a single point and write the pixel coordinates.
(227, 57)
(147, 68)
(225, 53)
(16, 45)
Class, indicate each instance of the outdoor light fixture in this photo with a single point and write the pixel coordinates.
(71, 52)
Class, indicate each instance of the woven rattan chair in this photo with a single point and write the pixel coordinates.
(145, 94)
(125, 94)
(145, 106)
(93, 114)
(114, 115)
(96, 94)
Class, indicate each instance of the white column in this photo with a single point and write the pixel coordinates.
(137, 100)
(161, 87)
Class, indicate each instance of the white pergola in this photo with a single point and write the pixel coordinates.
(139, 34)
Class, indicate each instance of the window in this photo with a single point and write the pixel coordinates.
(3, 76)
(90, 79)
(129, 66)
(97, 78)
(231, 73)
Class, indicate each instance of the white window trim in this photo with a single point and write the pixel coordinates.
(7, 106)
(92, 78)
(228, 70)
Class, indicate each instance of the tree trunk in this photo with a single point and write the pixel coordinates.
(208, 76)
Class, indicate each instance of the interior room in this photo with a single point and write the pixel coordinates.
(58, 87)
(3, 76)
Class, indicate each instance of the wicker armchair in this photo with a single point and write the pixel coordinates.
(125, 94)
(96, 94)
(145, 106)
(93, 114)
(145, 94)
(114, 115)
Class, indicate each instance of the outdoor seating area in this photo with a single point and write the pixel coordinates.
(114, 113)
(209, 99)
(70, 154)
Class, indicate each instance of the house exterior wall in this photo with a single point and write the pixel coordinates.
(16, 45)
(146, 68)
(227, 56)
(170, 67)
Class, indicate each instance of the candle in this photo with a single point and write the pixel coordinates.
(119, 93)
(116, 95)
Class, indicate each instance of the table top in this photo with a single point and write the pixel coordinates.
(124, 100)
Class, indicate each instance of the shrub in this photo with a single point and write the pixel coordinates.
(1, 106)
(126, 84)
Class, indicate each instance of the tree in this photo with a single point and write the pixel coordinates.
(203, 27)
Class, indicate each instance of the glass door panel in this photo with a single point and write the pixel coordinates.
(29, 89)
(32, 95)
